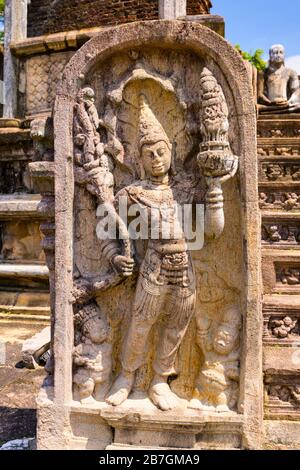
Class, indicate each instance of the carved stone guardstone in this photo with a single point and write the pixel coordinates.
(156, 339)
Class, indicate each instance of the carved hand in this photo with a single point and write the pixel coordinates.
(123, 265)
(263, 99)
(82, 291)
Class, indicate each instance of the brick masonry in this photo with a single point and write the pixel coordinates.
(51, 16)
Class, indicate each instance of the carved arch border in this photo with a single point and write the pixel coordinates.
(202, 41)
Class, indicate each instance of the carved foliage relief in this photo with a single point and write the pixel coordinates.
(151, 309)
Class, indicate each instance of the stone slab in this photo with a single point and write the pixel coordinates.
(18, 387)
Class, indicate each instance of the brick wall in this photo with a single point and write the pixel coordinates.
(51, 16)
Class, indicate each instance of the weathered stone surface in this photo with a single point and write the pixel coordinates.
(33, 348)
(279, 88)
(278, 155)
(19, 444)
(281, 271)
(17, 304)
(172, 9)
(16, 29)
(45, 17)
(42, 74)
(214, 22)
(18, 387)
(21, 241)
(19, 206)
(42, 174)
(24, 301)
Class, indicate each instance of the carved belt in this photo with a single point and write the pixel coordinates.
(168, 268)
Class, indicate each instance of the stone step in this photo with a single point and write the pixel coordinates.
(19, 205)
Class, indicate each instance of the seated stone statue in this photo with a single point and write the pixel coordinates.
(279, 89)
(165, 292)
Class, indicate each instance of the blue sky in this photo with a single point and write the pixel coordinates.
(257, 24)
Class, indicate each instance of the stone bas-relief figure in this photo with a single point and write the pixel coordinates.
(279, 90)
(165, 292)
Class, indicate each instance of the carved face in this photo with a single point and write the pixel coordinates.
(225, 339)
(156, 158)
(277, 54)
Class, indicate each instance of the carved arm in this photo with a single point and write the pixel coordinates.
(214, 214)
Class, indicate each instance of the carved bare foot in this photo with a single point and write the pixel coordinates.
(196, 404)
(120, 389)
(161, 394)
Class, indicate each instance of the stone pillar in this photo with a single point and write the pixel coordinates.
(172, 9)
(15, 30)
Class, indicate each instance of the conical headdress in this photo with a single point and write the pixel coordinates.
(150, 129)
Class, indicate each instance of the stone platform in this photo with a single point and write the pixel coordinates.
(138, 424)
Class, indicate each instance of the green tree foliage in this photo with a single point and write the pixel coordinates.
(254, 58)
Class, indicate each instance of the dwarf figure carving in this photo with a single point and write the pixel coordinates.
(92, 355)
(217, 384)
(291, 201)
